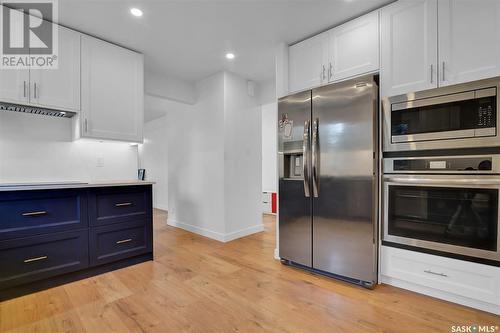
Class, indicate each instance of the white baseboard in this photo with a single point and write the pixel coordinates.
(214, 234)
(243, 232)
(197, 230)
(160, 206)
(488, 307)
(277, 254)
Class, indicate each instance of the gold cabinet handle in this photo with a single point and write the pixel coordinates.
(42, 212)
(35, 259)
(123, 204)
(124, 241)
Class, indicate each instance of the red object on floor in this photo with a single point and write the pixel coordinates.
(273, 203)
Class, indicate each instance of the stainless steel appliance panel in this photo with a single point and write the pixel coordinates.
(457, 136)
(465, 164)
(295, 207)
(457, 214)
(344, 183)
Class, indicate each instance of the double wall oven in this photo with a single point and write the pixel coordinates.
(441, 172)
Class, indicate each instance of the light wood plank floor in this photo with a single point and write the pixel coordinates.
(199, 285)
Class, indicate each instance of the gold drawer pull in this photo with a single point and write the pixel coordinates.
(42, 212)
(123, 204)
(124, 241)
(35, 259)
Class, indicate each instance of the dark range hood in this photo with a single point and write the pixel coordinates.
(35, 110)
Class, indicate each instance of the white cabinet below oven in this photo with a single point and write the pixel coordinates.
(467, 283)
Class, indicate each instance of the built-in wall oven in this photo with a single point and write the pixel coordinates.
(459, 116)
(448, 205)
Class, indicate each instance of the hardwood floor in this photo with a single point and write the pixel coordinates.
(199, 285)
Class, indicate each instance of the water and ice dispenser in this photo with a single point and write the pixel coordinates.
(293, 165)
(292, 160)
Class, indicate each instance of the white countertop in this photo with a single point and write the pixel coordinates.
(68, 185)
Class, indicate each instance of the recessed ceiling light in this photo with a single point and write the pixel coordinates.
(230, 55)
(136, 11)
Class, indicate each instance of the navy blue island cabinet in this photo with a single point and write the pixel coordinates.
(53, 235)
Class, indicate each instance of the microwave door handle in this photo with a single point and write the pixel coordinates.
(305, 158)
(315, 158)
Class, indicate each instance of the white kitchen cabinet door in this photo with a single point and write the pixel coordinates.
(112, 92)
(308, 63)
(458, 281)
(469, 40)
(14, 85)
(409, 47)
(354, 47)
(59, 88)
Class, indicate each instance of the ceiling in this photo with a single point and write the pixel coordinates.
(187, 39)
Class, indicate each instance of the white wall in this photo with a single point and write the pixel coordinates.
(242, 158)
(214, 162)
(196, 161)
(40, 148)
(281, 69)
(169, 87)
(269, 109)
(153, 157)
(267, 92)
(269, 147)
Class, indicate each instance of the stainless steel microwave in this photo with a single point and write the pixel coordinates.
(459, 116)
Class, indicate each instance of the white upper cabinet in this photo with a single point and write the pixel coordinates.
(345, 51)
(99, 80)
(112, 92)
(354, 47)
(14, 85)
(469, 40)
(308, 63)
(59, 88)
(409, 47)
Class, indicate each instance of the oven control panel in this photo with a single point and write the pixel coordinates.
(445, 164)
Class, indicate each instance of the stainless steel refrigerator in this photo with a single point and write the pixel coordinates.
(327, 155)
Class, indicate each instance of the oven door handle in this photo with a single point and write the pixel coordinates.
(443, 181)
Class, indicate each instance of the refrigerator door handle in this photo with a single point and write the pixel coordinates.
(305, 158)
(315, 158)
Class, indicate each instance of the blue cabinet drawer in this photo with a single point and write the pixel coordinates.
(119, 204)
(28, 213)
(35, 258)
(119, 241)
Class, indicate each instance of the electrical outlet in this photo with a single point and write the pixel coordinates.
(100, 162)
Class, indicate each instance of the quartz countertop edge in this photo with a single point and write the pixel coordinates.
(69, 185)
